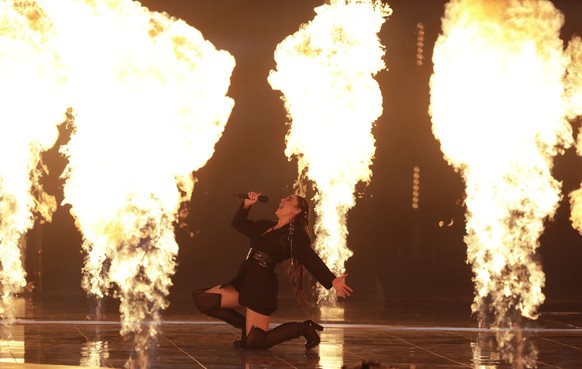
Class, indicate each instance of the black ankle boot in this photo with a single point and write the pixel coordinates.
(310, 329)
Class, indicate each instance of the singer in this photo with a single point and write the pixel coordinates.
(255, 286)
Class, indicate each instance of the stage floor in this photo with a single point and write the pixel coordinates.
(63, 332)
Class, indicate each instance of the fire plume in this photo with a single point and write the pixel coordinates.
(325, 72)
(574, 94)
(498, 110)
(31, 91)
(149, 99)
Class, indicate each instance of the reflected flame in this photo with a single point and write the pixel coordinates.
(325, 72)
(498, 111)
(31, 89)
(574, 95)
(94, 353)
(331, 347)
(149, 99)
(485, 353)
(12, 347)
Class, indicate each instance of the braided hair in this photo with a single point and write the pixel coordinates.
(299, 223)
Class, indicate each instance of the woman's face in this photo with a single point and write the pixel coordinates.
(288, 207)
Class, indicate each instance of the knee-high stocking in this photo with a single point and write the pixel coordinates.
(259, 339)
(209, 304)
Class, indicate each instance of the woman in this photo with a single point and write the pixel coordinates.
(255, 286)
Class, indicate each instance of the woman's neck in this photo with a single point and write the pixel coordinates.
(282, 222)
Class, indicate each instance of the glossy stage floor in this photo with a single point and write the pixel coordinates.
(59, 332)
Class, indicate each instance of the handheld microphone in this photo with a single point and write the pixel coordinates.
(262, 198)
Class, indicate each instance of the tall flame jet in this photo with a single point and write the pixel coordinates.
(498, 110)
(574, 94)
(149, 99)
(31, 91)
(325, 72)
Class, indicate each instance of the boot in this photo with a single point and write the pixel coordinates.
(311, 335)
(255, 340)
(239, 343)
(259, 339)
(209, 304)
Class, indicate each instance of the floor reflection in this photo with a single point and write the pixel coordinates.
(12, 336)
(419, 335)
(11, 344)
(331, 348)
(485, 352)
(94, 353)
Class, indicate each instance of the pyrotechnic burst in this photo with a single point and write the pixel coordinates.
(498, 111)
(149, 98)
(574, 96)
(31, 80)
(325, 72)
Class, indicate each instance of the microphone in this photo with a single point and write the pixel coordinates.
(262, 198)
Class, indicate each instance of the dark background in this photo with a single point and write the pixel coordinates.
(398, 252)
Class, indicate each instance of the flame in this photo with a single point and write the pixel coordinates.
(149, 101)
(573, 82)
(325, 71)
(94, 353)
(498, 111)
(31, 89)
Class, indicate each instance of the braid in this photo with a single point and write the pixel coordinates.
(296, 269)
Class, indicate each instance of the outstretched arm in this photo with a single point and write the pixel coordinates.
(340, 286)
(313, 263)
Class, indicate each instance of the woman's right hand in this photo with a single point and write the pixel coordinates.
(253, 198)
(340, 286)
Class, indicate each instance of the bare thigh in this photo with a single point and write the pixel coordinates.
(229, 296)
(255, 319)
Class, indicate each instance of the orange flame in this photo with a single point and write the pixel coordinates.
(149, 98)
(498, 111)
(325, 71)
(574, 95)
(31, 89)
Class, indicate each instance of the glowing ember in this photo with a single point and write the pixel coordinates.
(32, 106)
(498, 111)
(325, 71)
(574, 95)
(149, 103)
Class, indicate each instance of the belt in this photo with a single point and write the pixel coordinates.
(261, 258)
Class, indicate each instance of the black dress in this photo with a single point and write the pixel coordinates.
(257, 284)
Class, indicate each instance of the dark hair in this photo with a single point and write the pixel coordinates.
(299, 223)
(302, 219)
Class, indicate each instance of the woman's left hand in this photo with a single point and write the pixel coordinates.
(340, 286)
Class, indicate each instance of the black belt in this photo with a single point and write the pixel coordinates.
(261, 258)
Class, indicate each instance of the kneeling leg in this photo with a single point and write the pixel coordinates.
(259, 338)
(211, 303)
